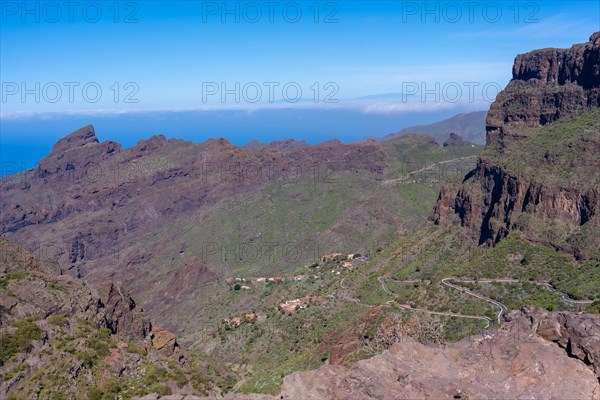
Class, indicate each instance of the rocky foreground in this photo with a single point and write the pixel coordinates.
(536, 355)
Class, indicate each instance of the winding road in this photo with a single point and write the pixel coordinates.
(565, 297)
(502, 308)
(403, 178)
(381, 280)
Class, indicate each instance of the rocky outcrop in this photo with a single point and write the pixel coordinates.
(578, 334)
(517, 361)
(76, 155)
(54, 325)
(536, 354)
(124, 319)
(40, 291)
(547, 84)
(454, 139)
(166, 344)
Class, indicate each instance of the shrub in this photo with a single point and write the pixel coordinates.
(87, 358)
(57, 319)
(163, 390)
(132, 348)
(20, 341)
(95, 394)
(53, 286)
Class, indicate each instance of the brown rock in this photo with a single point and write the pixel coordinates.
(513, 362)
(124, 319)
(163, 340)
(547, 84)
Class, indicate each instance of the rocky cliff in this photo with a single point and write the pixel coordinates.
(547, 84)
(517, 361)
(61, 337)
(540, 171)
(40, 291)
(529, 357)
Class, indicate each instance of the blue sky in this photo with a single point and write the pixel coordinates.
(368, 57)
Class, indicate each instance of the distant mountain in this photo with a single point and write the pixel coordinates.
(276, 145)
(470, 126)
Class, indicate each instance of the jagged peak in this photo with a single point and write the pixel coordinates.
(78, 138)
(220, 143)
(454, 139)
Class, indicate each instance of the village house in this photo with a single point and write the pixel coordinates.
(331, 257)
(291, 306)
(248, 317)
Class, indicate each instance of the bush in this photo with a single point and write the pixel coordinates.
(132, 348)
(12, 277)
(163, 390)
(53, 286)
(87, 358)
(95, 394)
(11, 374)
(57, 319)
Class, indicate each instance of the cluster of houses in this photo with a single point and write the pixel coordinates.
(275, 279)
(300, 278)
(340, 258)
(248, 317)
(243, 283)
(343, 261)
(291, 306)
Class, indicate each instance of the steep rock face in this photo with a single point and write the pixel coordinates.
(40, 291)
(493, 200)
(547, 84)
(550, 191)
(576, 333)
(124, 319)
(74, 155)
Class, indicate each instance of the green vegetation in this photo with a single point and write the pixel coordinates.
(557, 154)
(18, 341)
(11, 277)
(57, 319)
